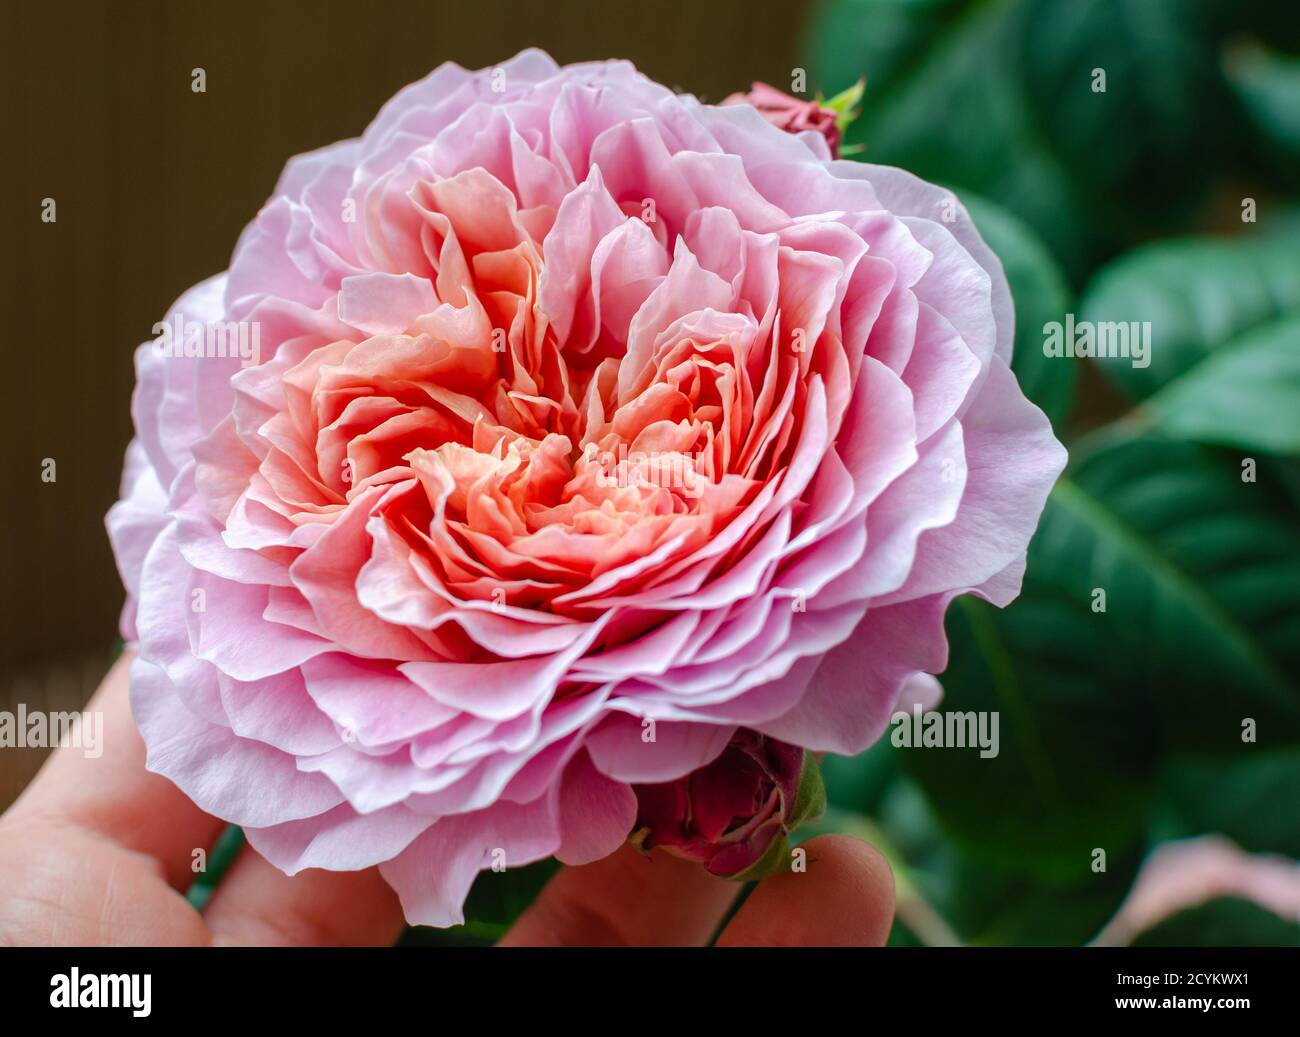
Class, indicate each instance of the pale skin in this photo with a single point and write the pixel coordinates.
(99, 851)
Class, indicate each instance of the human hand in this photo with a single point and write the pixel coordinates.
(99, 852)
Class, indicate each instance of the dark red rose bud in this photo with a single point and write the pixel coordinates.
(794, 115)
(734, 815)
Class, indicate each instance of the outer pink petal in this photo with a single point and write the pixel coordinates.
(239, 780)
(434, 874)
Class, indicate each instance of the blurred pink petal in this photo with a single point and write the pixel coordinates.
(1182, 875)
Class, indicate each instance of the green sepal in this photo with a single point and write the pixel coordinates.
(810, 801)
(846, 105)
(776, 860)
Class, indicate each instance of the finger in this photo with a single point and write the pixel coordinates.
(65, 886)
(106, 789)
(627, 899)
(257, 904)
(844, 899)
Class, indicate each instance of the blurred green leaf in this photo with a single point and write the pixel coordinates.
(1284, 473)
(1244, 394)
(877, 37)
(1249, 799)
(495, 900)
(498, 898)
(858, 782)
(1223, 922)
(1198, 294)
(1077, 750)
(468, 935)
(1097, 123)
(1000, 908)
(1200, 630)
(1271, 20)
(1146, 141)
(1201, 573)
(1101, 712)
(1267, 85)
(1041, 295)
(982, 902)
(954, 110)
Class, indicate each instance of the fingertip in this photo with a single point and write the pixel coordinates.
(844, 897)
(256, 904)
(626, 899)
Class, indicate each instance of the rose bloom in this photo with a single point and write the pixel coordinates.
(395, 598)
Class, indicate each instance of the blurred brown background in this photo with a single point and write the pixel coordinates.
(153, 184)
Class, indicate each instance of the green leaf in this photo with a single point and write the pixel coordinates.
(1245, 394)
(1077, 751)
(1267, 85)
(1284, 473)
(955, 109)
(1041, 295)
(1200, 632)
(498, 898)
(984, 903)
(471, 934)
(1004, 97)
(495, 900)
(1001, 908)
(1199, 295)
(1239, 798)
(1272, 20)
(859, 782)
(1201, 574)
(1223, 922)
(877, 37)
(1147, 145)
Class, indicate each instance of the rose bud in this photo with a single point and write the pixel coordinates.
(794, 115)
(734, 814)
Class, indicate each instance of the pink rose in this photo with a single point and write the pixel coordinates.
(570, 425)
